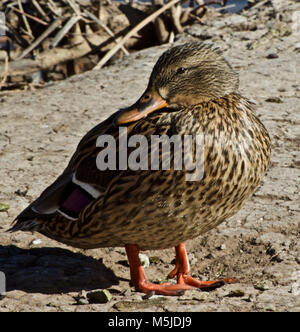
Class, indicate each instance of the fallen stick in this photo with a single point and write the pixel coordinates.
(175, 14)
(259, 4)
(60, 35)
(40, 10)
(54, 9)
(29, 16)
(74, 6)
(132, 32)
(44, 35)
(225, 7)
(103, 26)
(52, 57)
(25, 19)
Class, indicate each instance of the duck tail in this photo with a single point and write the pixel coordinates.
(34, 216)
(26, 221)
(26, 226)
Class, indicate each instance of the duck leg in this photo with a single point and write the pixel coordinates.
(182, 271)
(139, 280)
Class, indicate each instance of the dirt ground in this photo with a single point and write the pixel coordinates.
(260, 245)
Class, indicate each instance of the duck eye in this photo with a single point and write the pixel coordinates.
(181, 70)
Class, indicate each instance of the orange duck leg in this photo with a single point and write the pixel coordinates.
(184, 280)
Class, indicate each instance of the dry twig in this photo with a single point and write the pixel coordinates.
(30, 16)
(25, 19)
(66, 28)
(132, 32)
(44, 35)
(175, 14)
(40, 10)
(53, 56)
(103, 26)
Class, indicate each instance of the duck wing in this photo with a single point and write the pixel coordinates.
(79, 184)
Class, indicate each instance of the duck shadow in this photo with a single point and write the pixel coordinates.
(52, 270)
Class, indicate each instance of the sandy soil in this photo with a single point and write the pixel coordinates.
(260, 245)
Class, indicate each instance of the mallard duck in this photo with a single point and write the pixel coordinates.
(192, 91)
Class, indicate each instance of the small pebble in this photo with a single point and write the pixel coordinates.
(236, 293)
(250, 298)
(282, 90)
(272, 56)
(36, 242)
(82, 301)
(3, 207)
(274, 100)
(155, 260)
(148, 295)
(210, 256)
(81, 298)
(222, 246)
(144, 259)
(100, 296)
(127, 292)
(263, 285)
(21, 192)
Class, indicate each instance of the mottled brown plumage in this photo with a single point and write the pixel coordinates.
(192, 91)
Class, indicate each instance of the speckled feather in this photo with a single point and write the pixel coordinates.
(160, 209)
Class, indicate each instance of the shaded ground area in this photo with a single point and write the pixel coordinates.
(260, 245)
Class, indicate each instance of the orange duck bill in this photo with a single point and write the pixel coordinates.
(148, 103)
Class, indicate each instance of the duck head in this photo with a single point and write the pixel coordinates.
(183, 76)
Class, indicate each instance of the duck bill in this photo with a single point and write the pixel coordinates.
(148, 103)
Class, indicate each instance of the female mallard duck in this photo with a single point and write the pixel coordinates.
(192, 91)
